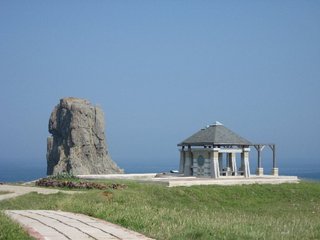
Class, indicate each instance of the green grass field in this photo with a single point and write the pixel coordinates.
(286, 211)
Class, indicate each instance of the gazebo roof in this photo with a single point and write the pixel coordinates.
(215, 134)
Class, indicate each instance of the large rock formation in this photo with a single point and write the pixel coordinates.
(77, 144)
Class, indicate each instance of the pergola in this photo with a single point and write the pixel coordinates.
(259, 148)
(202, 154)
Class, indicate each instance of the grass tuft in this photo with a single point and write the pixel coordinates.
(11, 230)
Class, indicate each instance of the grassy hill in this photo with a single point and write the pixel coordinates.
(286, 211)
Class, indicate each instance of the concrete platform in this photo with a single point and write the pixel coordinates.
(229, 181)
(58, 225)
(175, 181)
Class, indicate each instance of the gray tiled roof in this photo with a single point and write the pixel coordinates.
(215, 134)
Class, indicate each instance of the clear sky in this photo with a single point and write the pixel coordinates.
(161, 70)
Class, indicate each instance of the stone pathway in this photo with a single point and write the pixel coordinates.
(16, 190)
(58, 225)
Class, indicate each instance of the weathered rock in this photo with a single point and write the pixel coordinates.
(78, 144)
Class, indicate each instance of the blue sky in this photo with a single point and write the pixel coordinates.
(161, 70)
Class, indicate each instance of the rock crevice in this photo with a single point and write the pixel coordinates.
(78, 143)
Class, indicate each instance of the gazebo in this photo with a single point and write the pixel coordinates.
(211, 152)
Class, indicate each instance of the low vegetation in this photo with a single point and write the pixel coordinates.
(286, 211)
(11, 230)
(77, 184)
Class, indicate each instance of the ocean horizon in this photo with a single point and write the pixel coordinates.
(26, 171)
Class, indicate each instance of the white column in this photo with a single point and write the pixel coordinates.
(245, 162)
(259, 171)
(188, 163)
(233, 163)
(275, 169)
(220, 158)
(228, 165)
(214, 163)
(182, 161)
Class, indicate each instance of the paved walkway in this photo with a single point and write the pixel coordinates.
(57, 225)
(16, 190)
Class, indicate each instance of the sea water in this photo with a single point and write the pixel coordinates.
(28, 170)
(21, 171)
